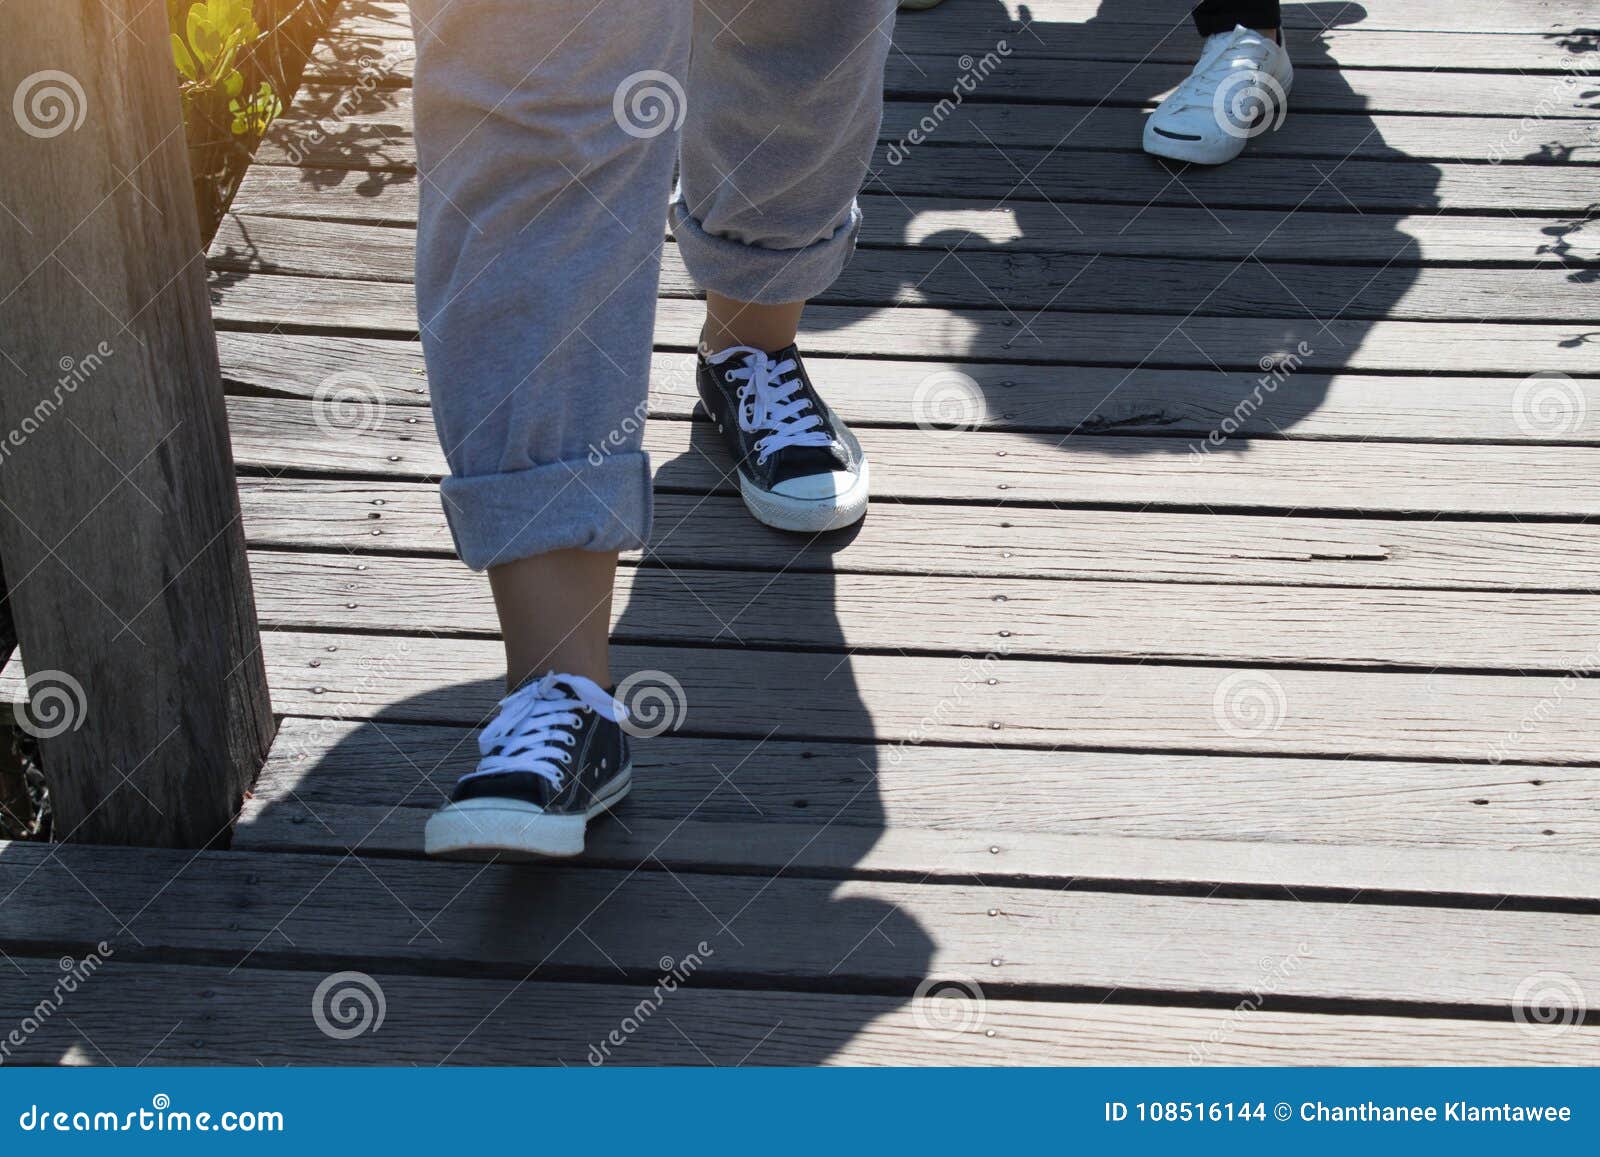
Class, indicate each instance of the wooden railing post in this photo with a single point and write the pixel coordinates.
(119, 516)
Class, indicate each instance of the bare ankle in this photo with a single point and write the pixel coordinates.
(555, 614)
(741, 323)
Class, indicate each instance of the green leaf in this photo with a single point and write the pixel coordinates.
(181, 57)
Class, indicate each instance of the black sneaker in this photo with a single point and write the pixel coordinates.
(554, 757)
(800, 467)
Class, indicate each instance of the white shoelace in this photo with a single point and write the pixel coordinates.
(767, 402)
(534, 727)
(1217, 60)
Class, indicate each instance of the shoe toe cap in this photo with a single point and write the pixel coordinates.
(817, 487)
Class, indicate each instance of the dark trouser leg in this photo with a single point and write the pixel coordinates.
(1222, 15)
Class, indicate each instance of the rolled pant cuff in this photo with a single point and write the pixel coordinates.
(756, 273)
(583, 503)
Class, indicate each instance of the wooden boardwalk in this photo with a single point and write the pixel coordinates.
(1135, 725)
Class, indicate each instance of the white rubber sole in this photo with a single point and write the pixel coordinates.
(509, 829)
(812, 515)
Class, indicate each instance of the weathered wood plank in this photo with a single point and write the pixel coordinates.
(1382, 165)
(1007, 541)
(1331, 135)
(980, 276)
(366, 46)
(278, 434)
(1091, 83)
(304, 910)
(373, 133)
(868, 698)
(1006, 396)
(832, 851)
(1137, 706)
(1248, 624)
(1016, 227)
(1024, 176)
(915, 80)
(255, 238)
(326, 764)
(264, 300)
(254, 1015)
(1063, 25)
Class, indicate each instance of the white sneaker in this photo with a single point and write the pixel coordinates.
(1239, 89)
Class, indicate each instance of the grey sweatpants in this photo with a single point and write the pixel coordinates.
(546, 135)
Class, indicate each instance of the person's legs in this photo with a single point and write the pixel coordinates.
(1238, 89)
(1214, 16)
(538, 252)
(545, 165)
(784, 111)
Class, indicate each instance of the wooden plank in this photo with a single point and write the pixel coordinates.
(332, 767)
(257, 240)
(279, 434)
(366, 36)
(1024, 176)
(365, 128)
(1140, 706)
(915, 80)
(1023, 77)
(1044, 618)
(942, 223)
(987, 700)
(256, 1015)
(379, 146)
(309, 910)
(1061, 21)
(1078, 399)
(123, 551)
(1331, 135)
(1042, 186)
(982, 276)
(263, 300)
(832, 851)
(1005, 541)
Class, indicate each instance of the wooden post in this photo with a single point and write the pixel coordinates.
(119, 517)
